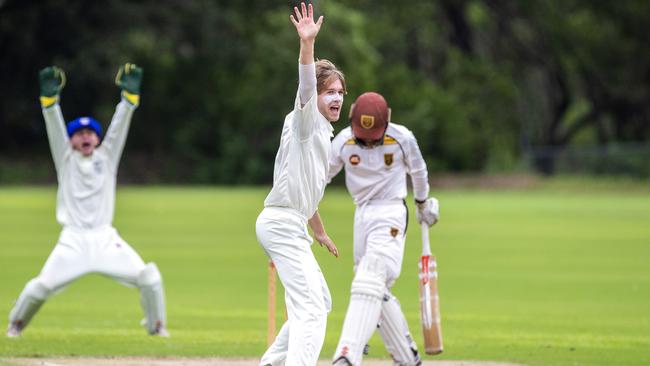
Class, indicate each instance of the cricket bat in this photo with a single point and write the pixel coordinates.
(429, 302)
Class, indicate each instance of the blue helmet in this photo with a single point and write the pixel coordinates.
(84, 122)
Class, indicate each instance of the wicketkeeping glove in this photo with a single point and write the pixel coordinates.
(428, 211)
(51, 81)
(129, 78)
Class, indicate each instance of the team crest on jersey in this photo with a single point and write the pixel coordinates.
(388, 159)
(394, 231)
(367, 121)
(355, 159)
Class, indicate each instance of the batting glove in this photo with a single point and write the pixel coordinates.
(51, 81)
(428, 211)
(129, 78)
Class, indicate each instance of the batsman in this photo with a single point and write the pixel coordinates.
(86, 172)
(377, 156)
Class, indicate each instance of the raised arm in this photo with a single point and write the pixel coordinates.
(307, 32)
(129, 78)
(51, 81)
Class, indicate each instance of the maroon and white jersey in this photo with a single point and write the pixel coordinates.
(379, 172)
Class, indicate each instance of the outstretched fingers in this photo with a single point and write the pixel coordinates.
(298, 14)
(303, 19)
(305, 14)
(310, 15)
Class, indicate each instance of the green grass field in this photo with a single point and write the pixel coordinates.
(546, 276)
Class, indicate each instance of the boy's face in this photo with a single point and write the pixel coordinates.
(330, 101)
(85, 141)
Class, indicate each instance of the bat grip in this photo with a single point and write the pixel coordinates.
(426, 245)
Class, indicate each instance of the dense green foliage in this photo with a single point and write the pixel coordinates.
(483, 84)
(550, 276)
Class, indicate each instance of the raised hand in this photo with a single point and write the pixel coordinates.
(304, 22)
(51, 81)
(129, 78)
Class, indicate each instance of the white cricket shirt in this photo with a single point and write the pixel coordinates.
(301, 164)
(86, 193)
(379, 173)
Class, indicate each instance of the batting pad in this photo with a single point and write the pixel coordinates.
(152, 298)
(395, 333)
(368, 288)
(28, 303)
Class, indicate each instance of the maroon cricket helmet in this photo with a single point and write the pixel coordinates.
(369, 116)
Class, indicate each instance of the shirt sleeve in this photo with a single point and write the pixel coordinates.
(117, 132)
(57, 133)
(306, 102)
(305, 117)
(336, 163)
(307, 84)
(416, 168)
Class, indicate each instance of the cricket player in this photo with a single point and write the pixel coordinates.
(299, 180)
(86, 172)
(377, 155)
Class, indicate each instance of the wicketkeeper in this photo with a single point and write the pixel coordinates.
(86, 172)
(377, 156)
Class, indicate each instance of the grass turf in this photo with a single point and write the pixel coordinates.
(546, 276)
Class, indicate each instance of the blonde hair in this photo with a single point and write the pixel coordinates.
(327, 73)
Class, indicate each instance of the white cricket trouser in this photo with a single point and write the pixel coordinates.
(282, 232)
(80, 252)
(379, 228)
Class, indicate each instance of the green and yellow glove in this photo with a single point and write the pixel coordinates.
(129, 78)
(51, 80)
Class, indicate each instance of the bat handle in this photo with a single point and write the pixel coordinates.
(426, 245)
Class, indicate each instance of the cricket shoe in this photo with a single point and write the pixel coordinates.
(342, 361)
(160, 330)
(418, 360)
(418, 363)
(14, 330)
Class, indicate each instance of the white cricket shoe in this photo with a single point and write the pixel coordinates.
(161, 332)
(14, 330)
(342, 361)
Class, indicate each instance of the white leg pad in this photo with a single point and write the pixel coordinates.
(28, 303)
(152, 297)
(395, 333)
(368, 288)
